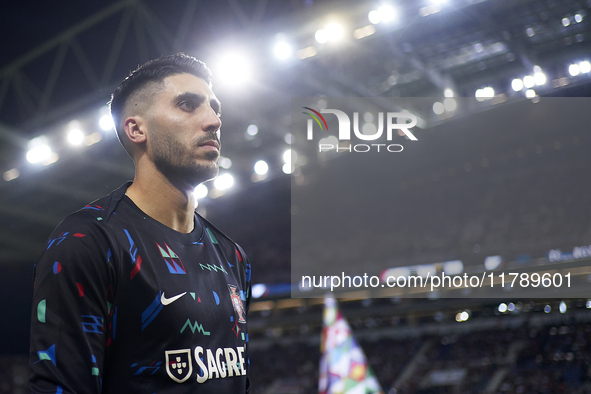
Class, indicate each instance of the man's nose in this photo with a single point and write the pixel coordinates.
(212, 121)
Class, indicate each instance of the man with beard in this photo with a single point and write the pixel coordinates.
(136, 292)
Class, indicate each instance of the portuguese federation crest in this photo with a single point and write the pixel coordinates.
(237, 303)
(178, 364)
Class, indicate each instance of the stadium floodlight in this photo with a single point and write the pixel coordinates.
(425, 270)
(374, 16)
(448, 92)
(502, 307)
(233, 69)
(261, 167)
(321, 36)
(385, 13)
(11, 174)
(288, 168)
(562, 307)
(517, 84)
(585, 67)
(395, 273)
(511, 307)
(331, 139)
(578, 18)
(335, 32)
(224, 181)
(252, 129)
(462, 316)
(540, 78)
(454, 267)
(258, 290)
(290, 156)
(225, 162)
(288, 138)
(39, 151)
(106, 123)
(565, 22)
(485, 93)
(201, 191)
(547, 309)
(530, 93)
(388, 13)
(307, 52)
(282, 50)
(492, 262)
(450, 104)
(588, 304)
(574, 69)
(93, 138)
(368, 129)
(438, 108)
(363, 32)
(53, 157)
(529, 81)
(75, 137)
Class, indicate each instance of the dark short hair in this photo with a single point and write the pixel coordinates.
(153, 71)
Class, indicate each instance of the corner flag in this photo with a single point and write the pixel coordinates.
(343, 366)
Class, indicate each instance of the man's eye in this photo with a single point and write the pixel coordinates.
(187, 105)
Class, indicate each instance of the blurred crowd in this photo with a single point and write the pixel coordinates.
(524, 357)
(513, 204)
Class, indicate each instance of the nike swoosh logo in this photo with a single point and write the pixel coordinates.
(166, 301)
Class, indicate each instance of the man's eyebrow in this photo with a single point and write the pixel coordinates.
(216, 106)
(198, 99)
(190, 96)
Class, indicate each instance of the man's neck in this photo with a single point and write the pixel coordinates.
(157, 197)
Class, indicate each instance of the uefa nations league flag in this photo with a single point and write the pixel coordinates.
(343, 366)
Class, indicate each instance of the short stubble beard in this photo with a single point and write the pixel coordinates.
(170, 159)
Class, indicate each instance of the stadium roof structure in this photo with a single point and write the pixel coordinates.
(60, 65)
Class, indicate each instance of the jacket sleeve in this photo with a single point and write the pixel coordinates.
(73, 290)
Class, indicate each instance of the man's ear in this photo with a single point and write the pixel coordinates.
(134, 129)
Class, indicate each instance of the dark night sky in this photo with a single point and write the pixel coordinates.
(27, 24)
